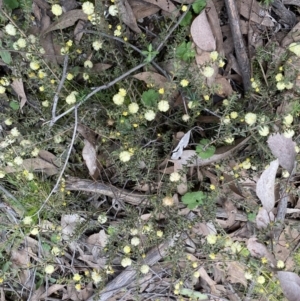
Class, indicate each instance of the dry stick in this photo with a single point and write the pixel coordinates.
(65, 165)
(61, 83)
(106, 86)
(128, 275)
(239, 46)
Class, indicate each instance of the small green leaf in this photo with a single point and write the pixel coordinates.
(251, 217)
(6, 266)
(193, 294)
(193, 199)
(204, 150)
(187, 20)
(14, 105)
(198, 6)
(5, 55)
(150, 97)
(11, 4)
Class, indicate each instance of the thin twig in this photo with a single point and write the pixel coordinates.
(65, 165)
(61, 83)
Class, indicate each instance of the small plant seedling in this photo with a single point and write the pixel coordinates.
(193, 199)
(204, 150)
(185, 52)
(150, 97)
(149, 53)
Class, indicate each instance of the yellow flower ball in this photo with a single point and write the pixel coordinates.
(280, 85)
(184, 83)
(289, 133)
(144, 269)
(56, 9)
(70, 76)
(208, 71)
(175, 176)
(21, 43)
(88, 64)
(49, 269)
(168, 201)
(34, 65)
(229, 140)
(133, 108)
(10, 29)
(88, 8)
(211, 239)
(126, 262)
(264, 130)
(149, 115)
(295, 48)
(250, 118)
(124, 156)
(118, 99)
(288, 120)
(280, 264)
(214, 55)
(233, 115)
(27, 220)
(279, 77)
(126, 249)
(261, 280)
(163, 106)
(97, 45)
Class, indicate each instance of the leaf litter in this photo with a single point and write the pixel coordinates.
(208, 36)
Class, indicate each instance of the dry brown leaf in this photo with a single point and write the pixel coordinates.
(42, 4)
(127, 15)
(236, 272)
(21, 260)
(18, 87)
(202, 57)
(263, 218)
(68, 4)
(36, 11)
(46, 40)
(284, 149)
(259, 250)
(100, 67)
(258, 14)
(78, 31)
(224, 88)
(49, 157)
(66, 20)
(165, 5)
(142, 9)
(292, 36)
(68, 225)
(97, 239)
(87, 133)
(231, 211)
(265, 187)
(151, 78)
(34, 164)
(90, 157)
(202, 34)
(290, 284)
(212, 16)
(52, 289)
